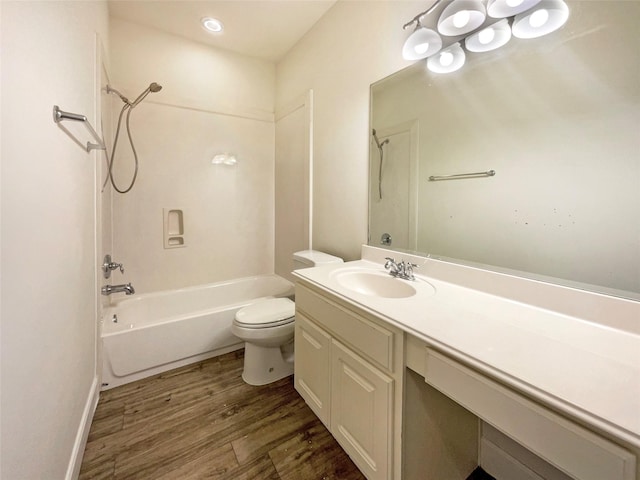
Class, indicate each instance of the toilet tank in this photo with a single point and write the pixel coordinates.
(313, 258)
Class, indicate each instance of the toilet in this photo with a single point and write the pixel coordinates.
(267, 329)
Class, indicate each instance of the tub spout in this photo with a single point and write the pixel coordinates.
(127, 288)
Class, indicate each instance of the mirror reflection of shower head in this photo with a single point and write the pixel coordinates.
(375, 137)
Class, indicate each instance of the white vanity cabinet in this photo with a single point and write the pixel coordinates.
(313, 366)
(526, 379)
(349, 371)
(575, 451)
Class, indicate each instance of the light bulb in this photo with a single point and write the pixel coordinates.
(422, 43)
(486, 36)
(421, 48)
(514, 3)
(539, 18)
(212, 24)
(489, 38)
(548, 17)
(446, 59)
(461, 18)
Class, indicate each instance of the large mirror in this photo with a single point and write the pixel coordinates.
(557, 118)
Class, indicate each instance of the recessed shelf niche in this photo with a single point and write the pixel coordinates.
(173, 227)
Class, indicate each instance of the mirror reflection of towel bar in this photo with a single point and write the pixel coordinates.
(488, 173)
(59, 116)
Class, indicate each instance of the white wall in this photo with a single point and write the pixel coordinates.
(49, 290)
(212, 101)
(352, 46)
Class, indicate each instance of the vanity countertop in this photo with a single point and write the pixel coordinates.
(585, 369)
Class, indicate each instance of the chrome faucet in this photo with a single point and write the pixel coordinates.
(108, 265)
(127, 288)
(402, 270)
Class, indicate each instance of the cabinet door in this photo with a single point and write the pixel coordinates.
(362, 412)
(312, 367)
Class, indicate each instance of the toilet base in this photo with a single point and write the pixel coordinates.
(263, 365)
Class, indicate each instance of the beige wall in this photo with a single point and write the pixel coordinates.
(352, 46)
(211, 102)
(49, 289)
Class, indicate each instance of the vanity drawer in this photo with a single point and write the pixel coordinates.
(570, 447)
(370, 339)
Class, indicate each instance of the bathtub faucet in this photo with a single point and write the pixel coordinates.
(126, 288)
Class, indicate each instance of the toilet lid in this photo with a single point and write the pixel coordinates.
(267, 313)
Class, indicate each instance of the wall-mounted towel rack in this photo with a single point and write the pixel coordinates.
(488, 173)
(59, 116)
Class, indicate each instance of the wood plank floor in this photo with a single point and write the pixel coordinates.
(203, 422)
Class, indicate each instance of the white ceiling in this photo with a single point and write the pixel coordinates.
(260, 28)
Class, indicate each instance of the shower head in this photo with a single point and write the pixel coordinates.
(154, 87)
(375, 137)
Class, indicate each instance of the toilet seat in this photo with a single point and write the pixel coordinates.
(266, 314)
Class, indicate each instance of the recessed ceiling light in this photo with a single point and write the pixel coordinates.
(212, 24)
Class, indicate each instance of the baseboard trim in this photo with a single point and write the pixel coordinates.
(75, 462)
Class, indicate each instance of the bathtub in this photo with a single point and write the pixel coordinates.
(148, 334)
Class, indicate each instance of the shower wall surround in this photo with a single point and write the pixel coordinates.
(212, 101)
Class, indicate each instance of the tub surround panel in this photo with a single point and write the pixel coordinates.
(228, 211)
(223, 206)
(193, 75)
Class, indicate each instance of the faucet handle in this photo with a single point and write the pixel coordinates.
(108, 265)
(395, 268)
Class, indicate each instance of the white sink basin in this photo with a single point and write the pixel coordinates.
(378, 284)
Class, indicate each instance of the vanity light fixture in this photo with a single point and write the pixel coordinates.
(509, 8)
(212, 24)
(224, 159)
(461, 17)
(422, 43)
(447, 60)
(467, 18)
(546, 17)
(489, 38)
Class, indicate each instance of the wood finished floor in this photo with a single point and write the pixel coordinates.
(203, 422)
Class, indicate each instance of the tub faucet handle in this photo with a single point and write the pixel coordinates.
(108, 265)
